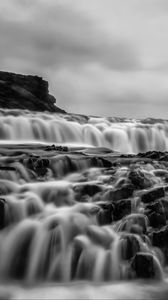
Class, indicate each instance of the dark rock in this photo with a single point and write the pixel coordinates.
(152, 154)
(146, 266)
(56, 148)
(26, 92)
(153, 194)
(157, 219)
(134, 219)
(87, 189)
(160, 237)
(124, 192)
(105, 214)
(136, 229)
(129, 246)
(121, 209)
(156, 214)
(39, 165)
(138, 179)
(2, 213)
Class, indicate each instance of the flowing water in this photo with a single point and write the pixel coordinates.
(124, 135)
(55, 226)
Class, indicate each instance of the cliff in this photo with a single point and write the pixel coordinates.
(26, 92)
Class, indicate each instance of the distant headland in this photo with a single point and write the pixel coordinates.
(30, 92)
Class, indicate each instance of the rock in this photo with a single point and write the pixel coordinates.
(124, 192)
(56, 148)
(146, 266)
(156, 214)
(26, 92)
(134, 219)
(152, 154)
(39, 165)
(160, 237)
(105, 214)
(121, 209)
(138, 179)
(2, 213)
(130, 244)
(153, 194)
(86, 189)
(136, 229)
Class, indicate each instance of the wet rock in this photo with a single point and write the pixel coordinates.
(129, 246)
(134, 219)
(146, 266)
(156, 214)
(160, 237)
(2, 213)
(124, 192)
(56, 148)
(152, 154)
(136, 229)
(87, 189)
(138, 179)
(39, 165)
(121, 209)
(153, 194)
(105, 214)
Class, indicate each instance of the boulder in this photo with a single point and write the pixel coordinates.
(130, 244)
(123, 192)
(39, 165)
(121, 209)
(105, 213)
(156, 214)
(138, 179)
(152, 194)
(134, 219)
(146, 266)
(160, 237)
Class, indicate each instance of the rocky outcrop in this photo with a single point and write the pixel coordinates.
(26, 92)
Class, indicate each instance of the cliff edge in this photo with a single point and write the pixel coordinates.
(26, 92)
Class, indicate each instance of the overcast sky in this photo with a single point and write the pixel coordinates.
(101, 57)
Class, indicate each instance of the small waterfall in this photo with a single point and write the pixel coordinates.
(70, 213)
(127, 136)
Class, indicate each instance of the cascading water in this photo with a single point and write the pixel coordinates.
(127, 136)
(77, 211)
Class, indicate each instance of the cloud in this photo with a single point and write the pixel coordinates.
(56, 36)
(98, 91)
(100, 57)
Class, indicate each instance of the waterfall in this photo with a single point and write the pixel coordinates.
(126, 136)
(69, 213)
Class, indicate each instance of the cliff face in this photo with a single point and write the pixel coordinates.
(26, 92)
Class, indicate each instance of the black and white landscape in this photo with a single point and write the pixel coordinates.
(84, 177)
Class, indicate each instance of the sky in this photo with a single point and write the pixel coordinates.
(101, 57)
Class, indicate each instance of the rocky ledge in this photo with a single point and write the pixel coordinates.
(26, 92)
(111, 199)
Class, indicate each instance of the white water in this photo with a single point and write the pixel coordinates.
(52, 233)
(128, 136)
